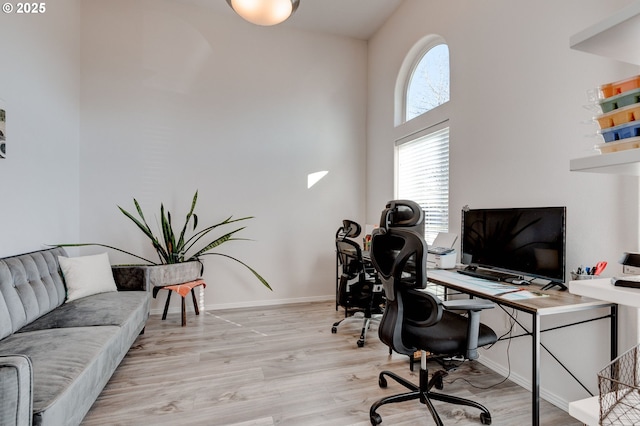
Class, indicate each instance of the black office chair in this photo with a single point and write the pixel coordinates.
(358, 288)
(418, 320)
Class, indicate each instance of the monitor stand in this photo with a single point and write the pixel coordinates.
(554, 284)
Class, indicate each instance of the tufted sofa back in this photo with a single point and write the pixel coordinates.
(30, 286)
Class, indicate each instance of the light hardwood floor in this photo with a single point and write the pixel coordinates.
(282, 365)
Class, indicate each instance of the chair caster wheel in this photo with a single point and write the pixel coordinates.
(382, 382)
(360, 343)
(440, 384)
(485, 418)
(375, 419)
(334, 330)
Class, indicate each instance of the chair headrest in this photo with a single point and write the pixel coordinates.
(401, 214)
(350, 229)
(398, 249)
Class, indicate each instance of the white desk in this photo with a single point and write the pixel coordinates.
(554, 302)
(588, 410)
(602, 289)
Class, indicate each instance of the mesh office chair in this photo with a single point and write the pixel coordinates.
(358, 288)
(418, 320)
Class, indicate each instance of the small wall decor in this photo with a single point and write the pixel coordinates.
(3, 131)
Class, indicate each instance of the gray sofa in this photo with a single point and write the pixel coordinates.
(56, 357)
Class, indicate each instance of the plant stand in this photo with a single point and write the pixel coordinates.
(182, 289)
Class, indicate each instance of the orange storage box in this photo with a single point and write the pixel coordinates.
(615, 88)
(620, 145)
(619, 116)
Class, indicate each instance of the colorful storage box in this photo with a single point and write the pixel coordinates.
(620, 145)
(623, 131)
(615, 88)
(619, 116)
(622, 100)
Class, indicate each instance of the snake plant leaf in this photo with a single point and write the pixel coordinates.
(187, 219)
(170, 250)
(144, 227)
(200, 234)
(105, 246)
(257, 275)
(215, 243)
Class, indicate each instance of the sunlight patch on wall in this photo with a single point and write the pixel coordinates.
(313, 178)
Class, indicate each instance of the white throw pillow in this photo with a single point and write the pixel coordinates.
(87, 275)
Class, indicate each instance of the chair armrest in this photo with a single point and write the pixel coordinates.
(467, 305)
(473, 307)
(16, 388)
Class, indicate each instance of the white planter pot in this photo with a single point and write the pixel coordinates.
(131, 276)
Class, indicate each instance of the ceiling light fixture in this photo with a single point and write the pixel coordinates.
(264, 12)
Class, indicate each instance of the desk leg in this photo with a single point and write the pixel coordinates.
(535, 371)
(614, 331)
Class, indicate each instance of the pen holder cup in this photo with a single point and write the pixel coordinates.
(575, 276)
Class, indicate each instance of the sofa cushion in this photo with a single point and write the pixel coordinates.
(30, 286)
(87, 275)
(114, 308)
(128, 310)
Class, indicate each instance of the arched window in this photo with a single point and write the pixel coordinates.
(428, 86)
(422, 132)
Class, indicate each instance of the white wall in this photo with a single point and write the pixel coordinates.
(176, 98)
(517, 118)
(39, 68)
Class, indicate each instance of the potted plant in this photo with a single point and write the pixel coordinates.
(179, 255)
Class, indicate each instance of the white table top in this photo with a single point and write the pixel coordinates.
(602, 289)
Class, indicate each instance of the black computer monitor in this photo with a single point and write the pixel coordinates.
(525, 241)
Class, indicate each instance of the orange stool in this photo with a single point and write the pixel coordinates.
(182, 289)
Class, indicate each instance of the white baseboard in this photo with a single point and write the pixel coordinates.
(526, 383)
(251, 304)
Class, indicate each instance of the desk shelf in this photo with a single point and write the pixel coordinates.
(602, 289)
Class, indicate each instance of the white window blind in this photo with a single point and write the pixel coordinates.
(423, 176)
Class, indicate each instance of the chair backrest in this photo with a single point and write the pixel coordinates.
(348, 250)
(398, 249)
(399, 254)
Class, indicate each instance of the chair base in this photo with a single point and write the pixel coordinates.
(366, 323)
(424, 394)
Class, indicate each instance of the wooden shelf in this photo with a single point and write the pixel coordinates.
(615, 37)
(622, 162)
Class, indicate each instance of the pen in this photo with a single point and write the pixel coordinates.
(510, 291)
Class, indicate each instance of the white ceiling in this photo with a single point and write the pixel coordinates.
(353, 18)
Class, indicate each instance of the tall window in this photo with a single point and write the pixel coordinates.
(423, 176)
(422, 167)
